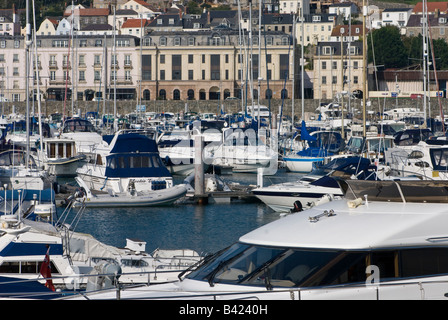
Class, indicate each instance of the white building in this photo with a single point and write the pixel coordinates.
(48, 27)
(144, 9)
(396, 16)
(346, 9)
(64, 27)
(294, 6)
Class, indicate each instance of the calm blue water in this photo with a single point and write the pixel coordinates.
(204, 228)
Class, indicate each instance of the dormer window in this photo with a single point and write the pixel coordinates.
(327, 50)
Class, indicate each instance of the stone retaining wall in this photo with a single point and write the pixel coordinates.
(124, 107)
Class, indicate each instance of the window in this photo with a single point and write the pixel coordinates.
(97, 75)
(162, 74)
(122, 43)
(82, 75)
(176, 63)
(176, 94)
(324, 80)
(355, 79)
(177, 41)
(162, 58)
(97, 60)
(215, 67)
(162, 41)
(324, 65)
(191, 41)
(335, 65)
(190, 74)
(327, 50)
(190, 58)
(114, 60)
(334, 80)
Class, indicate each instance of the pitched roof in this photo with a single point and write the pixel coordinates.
(432, 7)
(356, 30)
(145, 4)
(89, 12)
(97, 27)
(135, 23)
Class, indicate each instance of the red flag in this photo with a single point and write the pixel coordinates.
(45, 271)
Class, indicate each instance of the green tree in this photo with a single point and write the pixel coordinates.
(388, 49)
(414, 47)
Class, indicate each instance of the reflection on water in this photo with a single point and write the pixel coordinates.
(204, 228)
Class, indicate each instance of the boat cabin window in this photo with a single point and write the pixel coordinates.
(134, 161)
(10, 158)
(25, 267)
(136, 263)
(439, 159)
(296, 267)
(78, 126)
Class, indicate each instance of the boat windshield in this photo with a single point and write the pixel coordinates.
(424, 191)
(282, 267)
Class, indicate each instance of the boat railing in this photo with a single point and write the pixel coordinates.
(375, 290)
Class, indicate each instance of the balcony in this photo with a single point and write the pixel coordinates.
(121, 81)
(53, 64)
(60, 81)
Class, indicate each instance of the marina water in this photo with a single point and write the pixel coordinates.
(205, 228)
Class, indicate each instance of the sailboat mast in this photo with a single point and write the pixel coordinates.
(364, 68)
(425, 56)
(28, 42)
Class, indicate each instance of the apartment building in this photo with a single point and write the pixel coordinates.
(212, 65)
(12, 67)
(316, 28)
(179, 65)
(336, 70)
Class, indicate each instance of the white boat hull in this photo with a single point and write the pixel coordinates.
(65, 167)
(281, 198)
(140, 199)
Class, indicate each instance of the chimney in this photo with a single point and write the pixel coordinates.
(208, 17)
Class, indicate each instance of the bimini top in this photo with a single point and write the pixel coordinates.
(132, 142)
(133, 155)
(385, 214)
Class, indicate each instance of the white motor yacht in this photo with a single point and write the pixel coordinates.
(318, 186)
(128, 172)
(385, 240)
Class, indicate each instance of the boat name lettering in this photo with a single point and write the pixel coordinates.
(141, 180)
